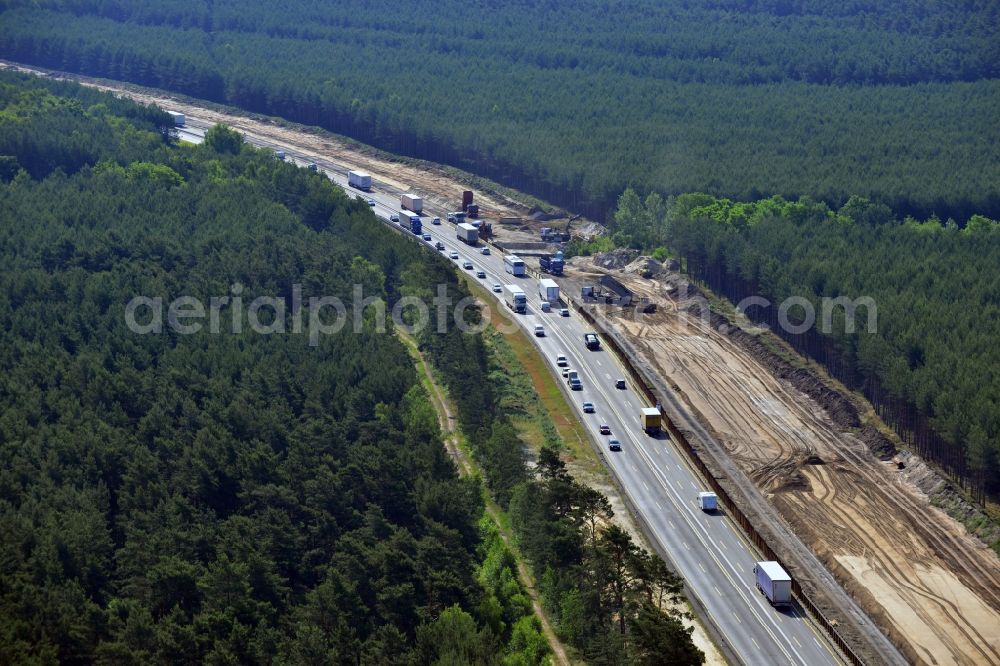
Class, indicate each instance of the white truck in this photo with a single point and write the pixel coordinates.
(515, 298)
(359, 180)
(708, 501)
(410, 202)
(177, 117)
(774, 582)
(548, 290)
(467, 233)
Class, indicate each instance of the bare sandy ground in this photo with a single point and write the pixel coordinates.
(931, 587)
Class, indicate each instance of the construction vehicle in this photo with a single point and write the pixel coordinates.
(552, 263)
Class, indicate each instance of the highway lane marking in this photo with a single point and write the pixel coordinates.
(658, 505)
(672, 526)
(741, 622)
(752, 603)
(717, 591)
(635, 469)
(647, 487)
(686, 545)
(796, 641)
(702, 567)
(754, 642)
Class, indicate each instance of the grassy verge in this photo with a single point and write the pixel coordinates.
(535, 402)
(459, 447)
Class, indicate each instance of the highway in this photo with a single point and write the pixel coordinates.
(708, 550)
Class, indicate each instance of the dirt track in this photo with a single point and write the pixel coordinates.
(933, 589)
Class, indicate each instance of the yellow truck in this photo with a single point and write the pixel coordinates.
(651, 420)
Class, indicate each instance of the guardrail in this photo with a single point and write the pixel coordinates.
(732, 509)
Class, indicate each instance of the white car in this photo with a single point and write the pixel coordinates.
(545, 306)
(394, 218)
(564, 312)
(539, 331)
(497, 288)
(561, 361)
(436, 220)
(467, 265)
(485, 251)
(426, 237)
(453, 255)
(371, 202)
(588, 408)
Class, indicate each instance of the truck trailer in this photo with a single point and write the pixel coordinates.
(774, 582)
(410, 202)
(359, 180)
(651, 420)
(177, 117)
(467, 233)
(515, 298)
(548, 290)
(707, 501)
(412, 222)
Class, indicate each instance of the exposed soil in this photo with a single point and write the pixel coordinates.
(932, 588)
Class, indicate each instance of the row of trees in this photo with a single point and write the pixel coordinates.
(575, 103)
(930, 367)
(234, 497)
